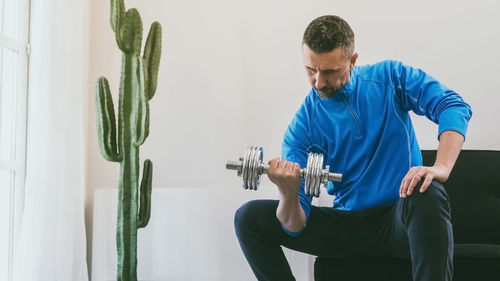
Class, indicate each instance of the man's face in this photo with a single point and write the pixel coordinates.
(328, 72)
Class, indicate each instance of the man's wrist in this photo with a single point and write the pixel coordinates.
(289, 192)
(291, 215)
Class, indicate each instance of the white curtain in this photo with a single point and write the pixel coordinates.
(52, 243)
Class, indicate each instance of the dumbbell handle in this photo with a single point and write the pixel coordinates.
(263, 169)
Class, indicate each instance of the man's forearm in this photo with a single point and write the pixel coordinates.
(290, 214)
(450, 144)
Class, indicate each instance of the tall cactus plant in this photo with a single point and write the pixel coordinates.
(137, 86)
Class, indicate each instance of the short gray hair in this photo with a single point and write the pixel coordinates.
(326, 33)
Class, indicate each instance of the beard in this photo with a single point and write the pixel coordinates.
(330, 91)
(327, 92)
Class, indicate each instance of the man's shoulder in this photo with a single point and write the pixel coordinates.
(308, 103)
(381, 66)
(381, 71)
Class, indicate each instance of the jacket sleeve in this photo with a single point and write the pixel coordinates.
(295, 148)
(424, 95)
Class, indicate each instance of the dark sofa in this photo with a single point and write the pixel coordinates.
(474, 191)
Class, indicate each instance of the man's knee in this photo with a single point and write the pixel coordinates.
(434, 199)
(250, 212)
(243, 214)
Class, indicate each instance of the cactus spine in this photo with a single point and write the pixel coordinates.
(137, 86)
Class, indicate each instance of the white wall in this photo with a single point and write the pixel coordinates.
(232, 75)
(203, 247)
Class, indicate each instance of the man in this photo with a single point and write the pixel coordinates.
(387, 204)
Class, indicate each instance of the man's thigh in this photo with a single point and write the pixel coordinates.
(377, 232)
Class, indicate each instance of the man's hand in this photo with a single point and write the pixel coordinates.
(286, 176)
(428, 174)
(450, 143)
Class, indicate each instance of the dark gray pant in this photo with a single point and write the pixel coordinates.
(416, 227)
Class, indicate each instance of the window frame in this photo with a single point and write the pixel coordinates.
(18, 165)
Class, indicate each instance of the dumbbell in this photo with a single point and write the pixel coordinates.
(250, 167)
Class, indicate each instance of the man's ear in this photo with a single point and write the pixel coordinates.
(354, 57)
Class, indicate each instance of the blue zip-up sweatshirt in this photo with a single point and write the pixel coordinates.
(365, 133)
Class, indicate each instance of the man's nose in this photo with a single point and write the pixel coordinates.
(320, 81)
